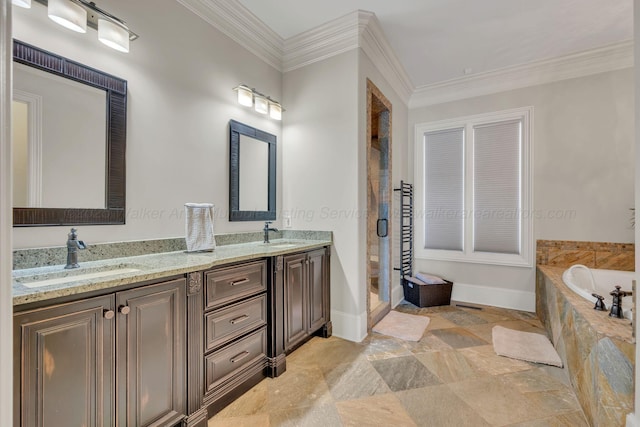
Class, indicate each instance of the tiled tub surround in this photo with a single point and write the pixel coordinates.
(598, 351)
(150, 260)
(564, 253)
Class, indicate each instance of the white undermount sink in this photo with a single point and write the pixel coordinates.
(281, 244)
(57, 278)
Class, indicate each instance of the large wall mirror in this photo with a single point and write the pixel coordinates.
(252, 181)
(69, 138)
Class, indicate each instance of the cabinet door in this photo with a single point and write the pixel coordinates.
(151, 354)
(63, 373)
(295, 299)
(317, 285)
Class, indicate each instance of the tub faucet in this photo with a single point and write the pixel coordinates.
(73, 244)
(599, 303)
(616, 303)
(266, 230)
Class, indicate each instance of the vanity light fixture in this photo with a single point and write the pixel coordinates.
(113, 35)
(262, 103)
(78, 14)
(22, 3)
(245, 96)
(275, 111)
(68, 14)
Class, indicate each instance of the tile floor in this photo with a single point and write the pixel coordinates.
(451, 377)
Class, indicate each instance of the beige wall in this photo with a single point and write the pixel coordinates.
(320, 167)
(583, 159)
(179, 106)
(19, 122)
(325, 170)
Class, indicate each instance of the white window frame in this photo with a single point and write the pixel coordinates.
(526, 256)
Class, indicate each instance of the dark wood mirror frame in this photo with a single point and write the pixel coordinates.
(116, 137)
(235, 214)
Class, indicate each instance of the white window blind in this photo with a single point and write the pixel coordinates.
(444, 189)
(497, 187)
(473, 189)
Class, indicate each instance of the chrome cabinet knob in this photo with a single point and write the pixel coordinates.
(124, 309)
(108, 314)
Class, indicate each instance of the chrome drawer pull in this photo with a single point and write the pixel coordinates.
(239, 282)
(239, 319)
(239, 357)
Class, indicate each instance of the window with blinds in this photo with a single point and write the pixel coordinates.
(444, 189)
(473, 189)
(497, 187)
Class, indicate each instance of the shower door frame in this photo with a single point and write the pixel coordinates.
(374, 316)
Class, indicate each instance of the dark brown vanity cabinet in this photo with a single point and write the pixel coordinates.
(64, 365)
(169, 353)
(235, 331)
(306, 296)
(151, 355)
(117, 359)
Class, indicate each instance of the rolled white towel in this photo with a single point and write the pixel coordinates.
(430, 279)
(199, 227)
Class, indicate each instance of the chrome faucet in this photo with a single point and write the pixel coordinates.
(267, 229)
(73, 244)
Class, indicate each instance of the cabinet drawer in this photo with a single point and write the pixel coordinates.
(224, 363)
(230, 322)
(225, 285)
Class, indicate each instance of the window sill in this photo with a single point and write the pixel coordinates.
(477, 258)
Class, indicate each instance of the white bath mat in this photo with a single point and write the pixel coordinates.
(527, 346)
(408, 327)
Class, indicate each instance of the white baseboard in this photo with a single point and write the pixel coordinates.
(496, 297)
(397, 295)
(631, 420)
(349, 326)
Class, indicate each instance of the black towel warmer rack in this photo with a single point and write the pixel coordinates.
(406, 230)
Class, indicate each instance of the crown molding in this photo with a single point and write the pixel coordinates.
(358, 29)
(361, 29)
(374, 43)
(608, 58)
(324, 41)
(242, 26)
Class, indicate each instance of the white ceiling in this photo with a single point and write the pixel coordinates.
(436, 40)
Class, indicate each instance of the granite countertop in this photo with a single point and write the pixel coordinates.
(599, 320)
(141, 268)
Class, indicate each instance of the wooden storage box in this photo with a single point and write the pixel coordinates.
(423, 295)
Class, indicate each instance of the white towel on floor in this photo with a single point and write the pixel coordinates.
(199, 227)
(430, 279)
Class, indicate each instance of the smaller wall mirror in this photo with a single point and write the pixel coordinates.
(252, 180)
